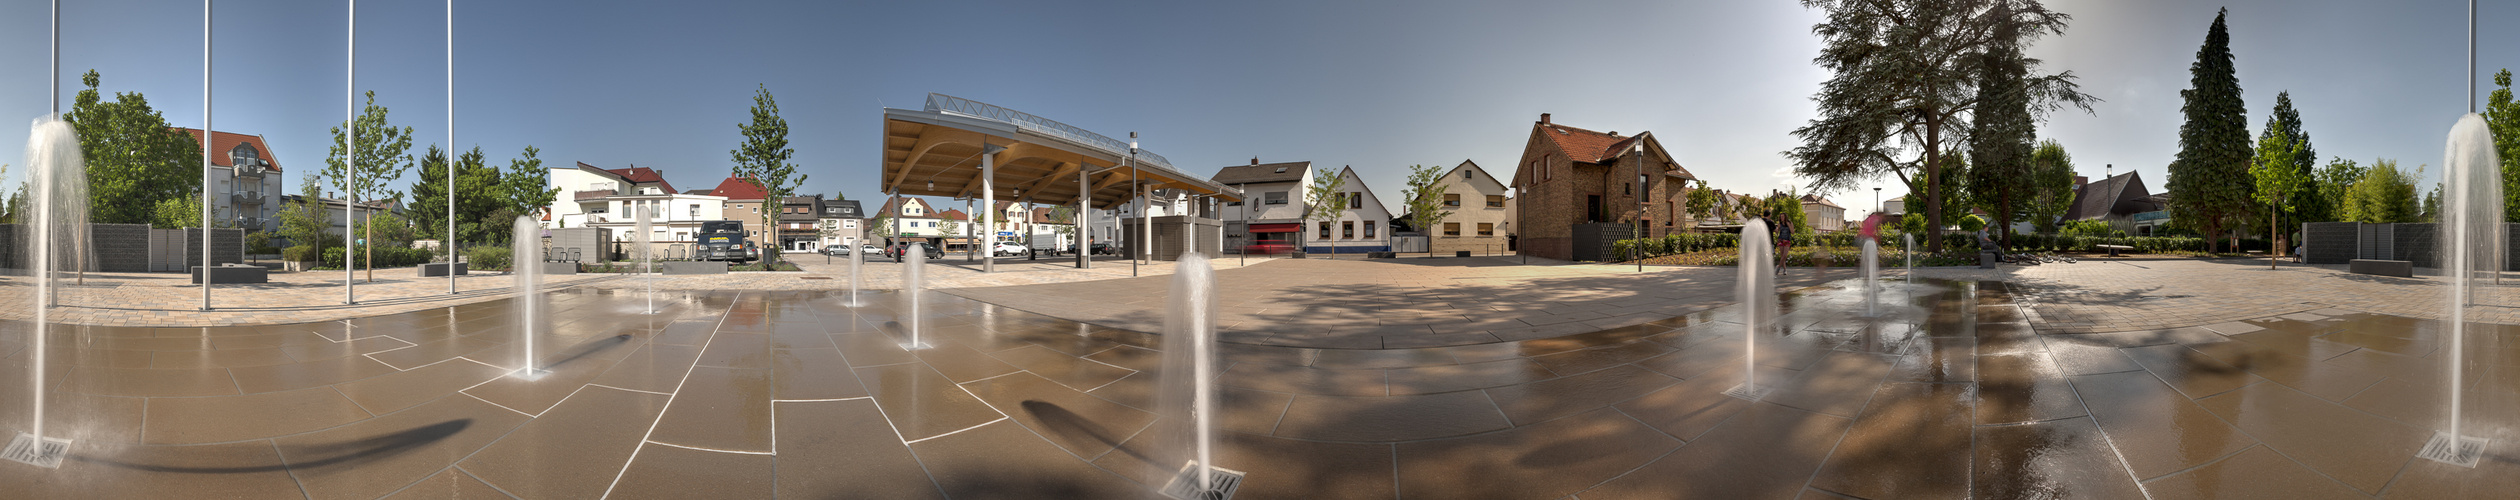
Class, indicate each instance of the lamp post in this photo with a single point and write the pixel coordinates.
(1642, 197)
(1877, 200)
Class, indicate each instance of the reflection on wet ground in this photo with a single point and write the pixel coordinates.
(1948, 392)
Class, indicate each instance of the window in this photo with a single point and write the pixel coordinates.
(1465, 174)
(1356, 200)
(1487, 229)
(1452, 229)
(1369, 229)
(1347, 229)
(695, 211)
(1496, 201)
(1274, 198)
(1325, 231)
(1627, 188)
(1452, 200)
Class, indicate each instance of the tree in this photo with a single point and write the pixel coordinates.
(2432, 206)
(949, 227)
(2210, 174)
(1704, 202)
(2306, 161)
(2502, 117)
(2383, 195)
(1999, 177)
(382, 153)
(1786, 208)
(1325, 201)
(1065, 217)
(135, 160)
(762, 159)
(304, 222)
(180, 212)
(1426, 200)
(527, 185)
(1904, 77)
(2336, 180)
(429, 194)
(2277, 170)
(2051, 185)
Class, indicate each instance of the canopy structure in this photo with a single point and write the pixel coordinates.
(936, 151)
(966, 149)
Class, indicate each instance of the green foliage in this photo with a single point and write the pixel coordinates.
(1999, 179)
(383, 153)
(479, 191)
(2335, 181)
(386, 228)
(2051, 186)
(2432, 206)
(1325, 201)
(302, 253)
(2384, 194)
(135, 160)
(1425, 198)
(1901, 79)
(762, 159)
(1786, 209)
(380, 256)
(528, 192)
(1971, 223)
(303, 221)
(1704, 202)
(2211, 173)
(2502, 116)
(178, 212)
(2304, 195)
(2085, 228)
(2280, 179)
(489, 258)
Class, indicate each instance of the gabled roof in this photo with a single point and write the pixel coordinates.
(735, 188)
(1586, 146)
(892, 206)
(633, 176)
(1821, 201)
(2116, 194)
(1350, 172)
(1473, 166)
(1263, 172)
(223, 142)
(950, 214)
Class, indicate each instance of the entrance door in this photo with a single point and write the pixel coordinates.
(1592, 208)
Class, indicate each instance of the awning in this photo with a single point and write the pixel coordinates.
(1277, 228)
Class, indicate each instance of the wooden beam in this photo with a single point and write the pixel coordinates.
(928, 141)
(1064, 170)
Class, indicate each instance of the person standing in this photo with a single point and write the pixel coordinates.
(1784, 242)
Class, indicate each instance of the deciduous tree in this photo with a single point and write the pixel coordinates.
(1426, 200)
(1325, 201)
(135, 160)
(2051, 185)
(762, 159)
(2277, 171)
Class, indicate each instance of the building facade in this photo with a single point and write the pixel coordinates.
(1824, 216)
(246, 181)
(1569, 176)
(1365, 226)
(1480, 220)
(1271, 216)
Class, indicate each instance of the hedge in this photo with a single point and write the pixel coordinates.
(488, 258)
(384, 257)
(1952, 242)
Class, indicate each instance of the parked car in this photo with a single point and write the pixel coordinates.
(870, 249)
(1011, 248)
(1100, 248)
(897, 251)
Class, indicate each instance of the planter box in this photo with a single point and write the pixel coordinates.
(2398, 268)
(296, 267)
(439, 269)
(692, 267)
(551, 268)
(234, 274)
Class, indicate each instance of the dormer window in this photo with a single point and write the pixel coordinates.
(1281, 170)
(243, 154)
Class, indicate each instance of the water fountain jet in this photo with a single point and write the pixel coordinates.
(1757, 297)
(2472, 239)
(644, 227)
(1189, 380)
(528, 261)
(914, 259)
(57, 185)
(1872, 278)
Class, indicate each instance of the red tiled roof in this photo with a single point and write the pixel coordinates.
(1822, 201)
(734, 188)
(1585, 145)
(951, 214)
(223, 142)
(643, 175)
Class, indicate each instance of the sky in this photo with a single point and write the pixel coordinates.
(1379, 86)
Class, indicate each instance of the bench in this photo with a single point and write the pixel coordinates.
(234, 274)
(2398, 268)
(439, 269)
(2113, 249)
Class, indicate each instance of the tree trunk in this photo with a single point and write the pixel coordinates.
(1933, 187)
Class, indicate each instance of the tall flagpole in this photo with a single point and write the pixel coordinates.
(350, 171)
(56, 58)
(206, 166)
(451, 149)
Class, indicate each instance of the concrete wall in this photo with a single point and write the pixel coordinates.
(1167, 241)
(592, 244)
(2341, 242)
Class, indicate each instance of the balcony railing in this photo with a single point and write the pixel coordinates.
(253, 169)
(246, 198)
(1035, 124)
(251, 223)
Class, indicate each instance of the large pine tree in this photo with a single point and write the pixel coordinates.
(1999, 147)
(2210, 186)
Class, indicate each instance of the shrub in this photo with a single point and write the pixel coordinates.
(490, 258)
(301, 253)
(384, 257)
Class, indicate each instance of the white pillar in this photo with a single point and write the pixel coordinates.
(988, 208)
(350, 171)
(207, 200)
(1084, 217)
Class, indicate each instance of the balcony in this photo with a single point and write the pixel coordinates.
(246, 198)
(253, 169)
(251, 223)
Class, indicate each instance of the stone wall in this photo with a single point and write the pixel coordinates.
(2332, 242)
(227, 246)
(2341, 242)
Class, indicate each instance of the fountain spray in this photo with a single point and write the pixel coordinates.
(528, 261)
(2472, 239)
(1756, 295)
(645, 228)
(57, 181)
(912, 283)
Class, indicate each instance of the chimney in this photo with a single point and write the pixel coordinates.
(1255, 160)
(2080, 180)
(1544, 118)
(1614, 133)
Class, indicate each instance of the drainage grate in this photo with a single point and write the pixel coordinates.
(24, 449)
(2439, 449)
(1748, 392)
(1185, 485)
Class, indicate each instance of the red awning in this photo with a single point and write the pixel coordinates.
(1277, 228)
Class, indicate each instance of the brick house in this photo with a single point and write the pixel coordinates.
(1570, 176)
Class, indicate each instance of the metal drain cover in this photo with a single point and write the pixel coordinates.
(1748, 392)
(1185, 485)
(2439, 449)
(47, 455)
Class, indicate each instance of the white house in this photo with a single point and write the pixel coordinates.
(1363, 227)
(611, 199)
(1273, 209)
(247, 180)
(1480, 217)
(912, 217)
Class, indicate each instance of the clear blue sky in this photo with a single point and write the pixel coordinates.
(1377, 85)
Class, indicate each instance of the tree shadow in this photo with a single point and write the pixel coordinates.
(344, 453)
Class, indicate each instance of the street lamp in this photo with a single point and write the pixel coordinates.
(1642, 203)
